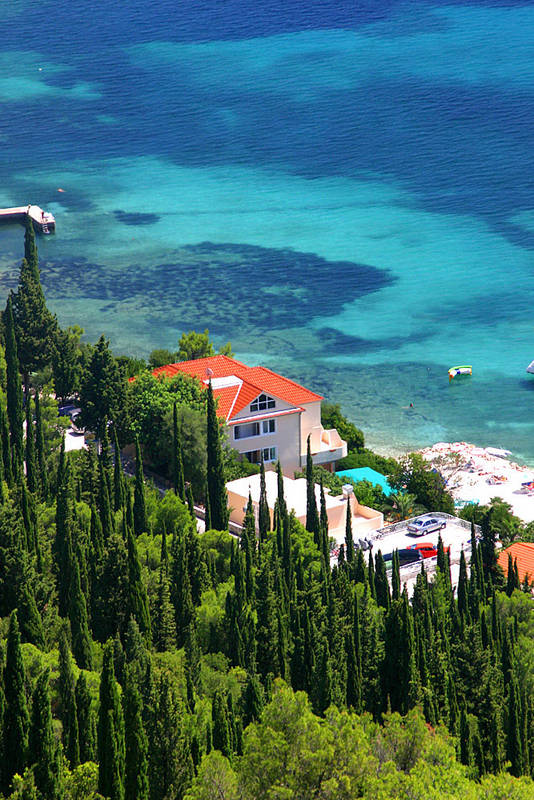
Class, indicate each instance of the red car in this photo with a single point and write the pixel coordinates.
(427, 549)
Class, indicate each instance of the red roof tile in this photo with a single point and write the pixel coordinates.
(252, 382)
(524, 552)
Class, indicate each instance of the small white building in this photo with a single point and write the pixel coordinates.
(364, 519)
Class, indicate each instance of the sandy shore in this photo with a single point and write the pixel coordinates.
(475, 474)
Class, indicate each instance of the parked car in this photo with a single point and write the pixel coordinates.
(427, 549)
(405, 557)
(423, 525)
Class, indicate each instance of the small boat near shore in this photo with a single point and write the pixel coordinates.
(462, 370)
(530, 368)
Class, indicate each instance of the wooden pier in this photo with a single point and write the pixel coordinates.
(42, 220)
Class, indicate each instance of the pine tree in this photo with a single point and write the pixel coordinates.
(136, 744)
(177, 461)
(16, 719)
(218, 501)
(86, 720)
(111, 747)
(139, 507)
(43, 751)
(31, 467)
(264, 519)
(14, 391)
(35, 326)
(103, 391)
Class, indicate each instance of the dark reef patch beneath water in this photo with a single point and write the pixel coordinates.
(135, 218)
(226, 287)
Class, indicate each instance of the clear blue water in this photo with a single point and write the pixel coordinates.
(344, 193)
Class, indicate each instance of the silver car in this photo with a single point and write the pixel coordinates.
(424, 525)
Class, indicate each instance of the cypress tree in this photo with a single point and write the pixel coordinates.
(136, 744)
(462, 590)
(118, 479)
(6, 448)
(264, 519)
(81, 638)
(31, 469)
(383, 597)
(69, 718)
(514, 744)
(86, 720)
(106, 516)
(16, 718)
(220, 733)
(323, 525)
(139, 507)
(252, 699)
(312, 517)
(466, 745)
(164, 627)
(40, 449)
(191, 504)
(354, 684)
(349, 541)
(177, 461)
(43, 751)
(512, 578)
(395, 576)
(137, 596)
(371, 575)
(111, 748)
(30, 246)
(215, 471)
(14, 390)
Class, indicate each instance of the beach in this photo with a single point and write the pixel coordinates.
(477, 475)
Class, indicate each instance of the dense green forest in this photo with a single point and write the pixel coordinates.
(141, 660)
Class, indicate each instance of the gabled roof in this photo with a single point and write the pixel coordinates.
(524, 553)
(239, 385)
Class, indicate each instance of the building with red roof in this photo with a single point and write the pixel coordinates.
(266, 413)
(523, 552)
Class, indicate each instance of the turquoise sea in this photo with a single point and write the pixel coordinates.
(342, 190)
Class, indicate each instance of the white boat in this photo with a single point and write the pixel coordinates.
(530, 367)
(463, 370)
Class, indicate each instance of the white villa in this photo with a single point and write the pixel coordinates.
(265, 413)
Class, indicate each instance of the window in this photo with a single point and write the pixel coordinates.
(244, 431)
(268, 426)
(262, 403)
(269, 453)
(254, 429)
(254, 456)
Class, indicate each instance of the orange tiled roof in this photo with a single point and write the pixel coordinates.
(524, 552)
(252, 382)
